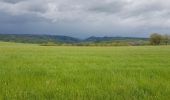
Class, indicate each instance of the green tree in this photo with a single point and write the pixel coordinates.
(155, 39)
(166, 39)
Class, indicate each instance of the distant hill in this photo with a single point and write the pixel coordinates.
(98, 39)
(29, 38)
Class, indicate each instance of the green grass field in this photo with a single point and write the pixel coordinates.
(32, 72)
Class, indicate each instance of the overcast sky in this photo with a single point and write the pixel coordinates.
(83, 18)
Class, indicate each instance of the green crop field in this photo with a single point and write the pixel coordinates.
(32, 72)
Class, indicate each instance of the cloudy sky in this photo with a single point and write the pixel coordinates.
(83, 18)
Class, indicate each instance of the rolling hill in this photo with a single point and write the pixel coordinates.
(30, 38)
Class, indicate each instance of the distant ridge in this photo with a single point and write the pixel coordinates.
(96, 39)
(30, 38)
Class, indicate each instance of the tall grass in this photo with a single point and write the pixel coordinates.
(30, 72)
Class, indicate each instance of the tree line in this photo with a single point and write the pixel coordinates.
(159, 39)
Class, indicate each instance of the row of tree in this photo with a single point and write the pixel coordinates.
(157, 39)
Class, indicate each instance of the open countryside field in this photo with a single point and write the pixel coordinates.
(32, 72)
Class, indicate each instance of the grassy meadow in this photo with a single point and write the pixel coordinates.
(32, 72)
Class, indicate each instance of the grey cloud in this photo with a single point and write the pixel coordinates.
(111, 7)
(12, 1)
(36, 7)
(83, 17)
(21, 19)
(146, 9)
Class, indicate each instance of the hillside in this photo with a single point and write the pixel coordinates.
(29, 38)
(95, 39)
